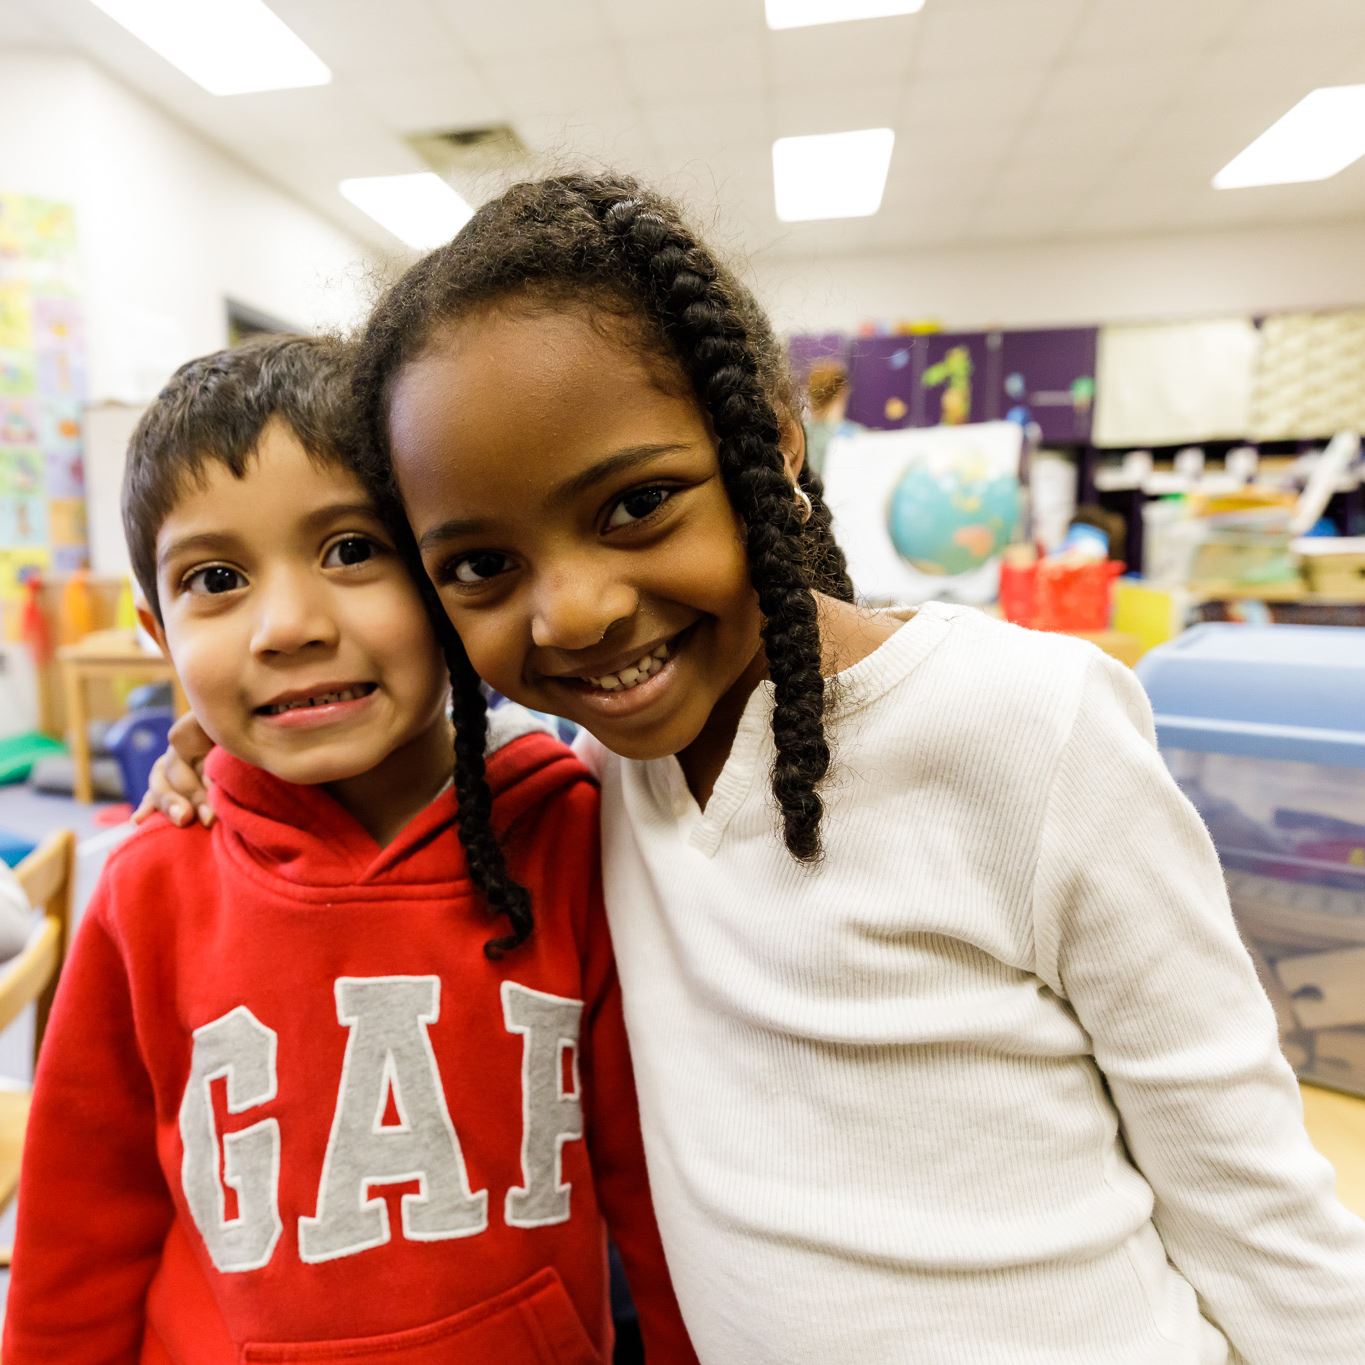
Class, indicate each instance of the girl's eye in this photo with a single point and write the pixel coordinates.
(216, 579)
(478, 567)
(351, 550)
(637, 505)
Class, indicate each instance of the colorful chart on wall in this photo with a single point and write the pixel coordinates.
(42, 390)
(925, 513)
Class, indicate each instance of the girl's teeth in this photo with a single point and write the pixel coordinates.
(633, 674)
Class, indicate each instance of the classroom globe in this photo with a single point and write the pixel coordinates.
(947, 521)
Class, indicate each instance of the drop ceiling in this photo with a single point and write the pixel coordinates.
(1015, 120)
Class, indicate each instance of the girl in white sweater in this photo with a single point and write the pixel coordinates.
(947, 1047)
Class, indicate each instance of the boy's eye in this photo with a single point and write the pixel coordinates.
(217, 578)
(478, 567)
(637, 505)
(351, 550)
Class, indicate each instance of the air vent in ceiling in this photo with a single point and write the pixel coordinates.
(463, 152)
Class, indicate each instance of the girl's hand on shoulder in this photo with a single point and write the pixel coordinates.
(177, 787)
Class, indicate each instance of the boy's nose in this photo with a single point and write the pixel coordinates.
(576, 610)
(292, 618)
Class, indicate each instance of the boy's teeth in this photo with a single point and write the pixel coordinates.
(321, 699)
(646, 666)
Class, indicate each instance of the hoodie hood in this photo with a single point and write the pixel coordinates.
(304, 836)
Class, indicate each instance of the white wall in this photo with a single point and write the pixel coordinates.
(168, 225)
(168, 229)
(1088, 281)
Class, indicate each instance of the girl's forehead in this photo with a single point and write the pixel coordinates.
(506, 376)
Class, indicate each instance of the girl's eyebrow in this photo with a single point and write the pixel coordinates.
(571, 488)
(612, 465)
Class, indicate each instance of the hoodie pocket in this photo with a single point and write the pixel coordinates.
(533, 1323)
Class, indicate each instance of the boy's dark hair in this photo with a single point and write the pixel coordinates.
(214, 409)
(607, 242)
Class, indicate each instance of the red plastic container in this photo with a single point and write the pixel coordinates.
(1054, 595)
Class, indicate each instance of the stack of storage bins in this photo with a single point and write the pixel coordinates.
(1264, 729)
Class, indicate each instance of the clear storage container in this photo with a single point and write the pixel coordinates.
(1264, 729)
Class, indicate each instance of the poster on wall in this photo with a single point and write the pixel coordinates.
(926, 512)
(42, 390)
(959, 380)
(1048, 377)
(883, 381)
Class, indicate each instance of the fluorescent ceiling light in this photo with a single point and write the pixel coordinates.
(803, 13)
(230, 47)
(421, 210)
(831, 175)
(1321, 135)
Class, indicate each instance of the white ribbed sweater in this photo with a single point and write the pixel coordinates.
(996, 1083)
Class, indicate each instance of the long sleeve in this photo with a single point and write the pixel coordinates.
(618, 1157)
(93, 1205)
(1134, 929)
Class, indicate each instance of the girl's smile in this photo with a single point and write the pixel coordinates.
(576, 527)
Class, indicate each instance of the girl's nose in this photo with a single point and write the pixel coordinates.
(575, 610)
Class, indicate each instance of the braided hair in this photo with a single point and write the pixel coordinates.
(627, 253)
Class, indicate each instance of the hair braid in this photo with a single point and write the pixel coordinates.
(829, 568)
(677, 280)
(474, 801)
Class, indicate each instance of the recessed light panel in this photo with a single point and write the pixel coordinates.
(1321, 135)
(831, 175)
(421, 209)
(230, 47)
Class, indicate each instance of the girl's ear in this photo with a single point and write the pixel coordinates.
(793, 446)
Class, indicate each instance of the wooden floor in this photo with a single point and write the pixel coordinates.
(1336, 1123)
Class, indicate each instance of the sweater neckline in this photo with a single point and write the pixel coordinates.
(853, 688)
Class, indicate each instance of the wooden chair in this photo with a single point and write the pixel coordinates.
(48, 876)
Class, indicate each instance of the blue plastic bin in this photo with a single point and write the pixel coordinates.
(1264, 729)
(137, 741)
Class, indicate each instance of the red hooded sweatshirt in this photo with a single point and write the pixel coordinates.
(288, 1110)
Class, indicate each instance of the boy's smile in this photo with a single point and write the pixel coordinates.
(299, 638)
(565, 493)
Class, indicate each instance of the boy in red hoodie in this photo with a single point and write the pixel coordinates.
(293, 1103)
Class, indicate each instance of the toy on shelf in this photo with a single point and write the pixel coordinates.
(1069, 589)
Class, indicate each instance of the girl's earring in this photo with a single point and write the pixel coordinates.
(803, 502)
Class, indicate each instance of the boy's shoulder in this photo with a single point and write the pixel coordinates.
(156, 868)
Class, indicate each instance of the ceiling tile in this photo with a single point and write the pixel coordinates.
(1004, 39)
(832, 56)
(714, 122)
(1092, 142)
(357, 37)
(427, 99)
(836, 110)
(969, 99)
(1341, 19)
(557, 83)
(534, 28)
(1095, 90)
(1138, 28)
(691, 67)
(642, 19)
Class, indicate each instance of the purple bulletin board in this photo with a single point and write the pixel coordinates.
(970, 391)
(1048, 376)
(883, 377)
